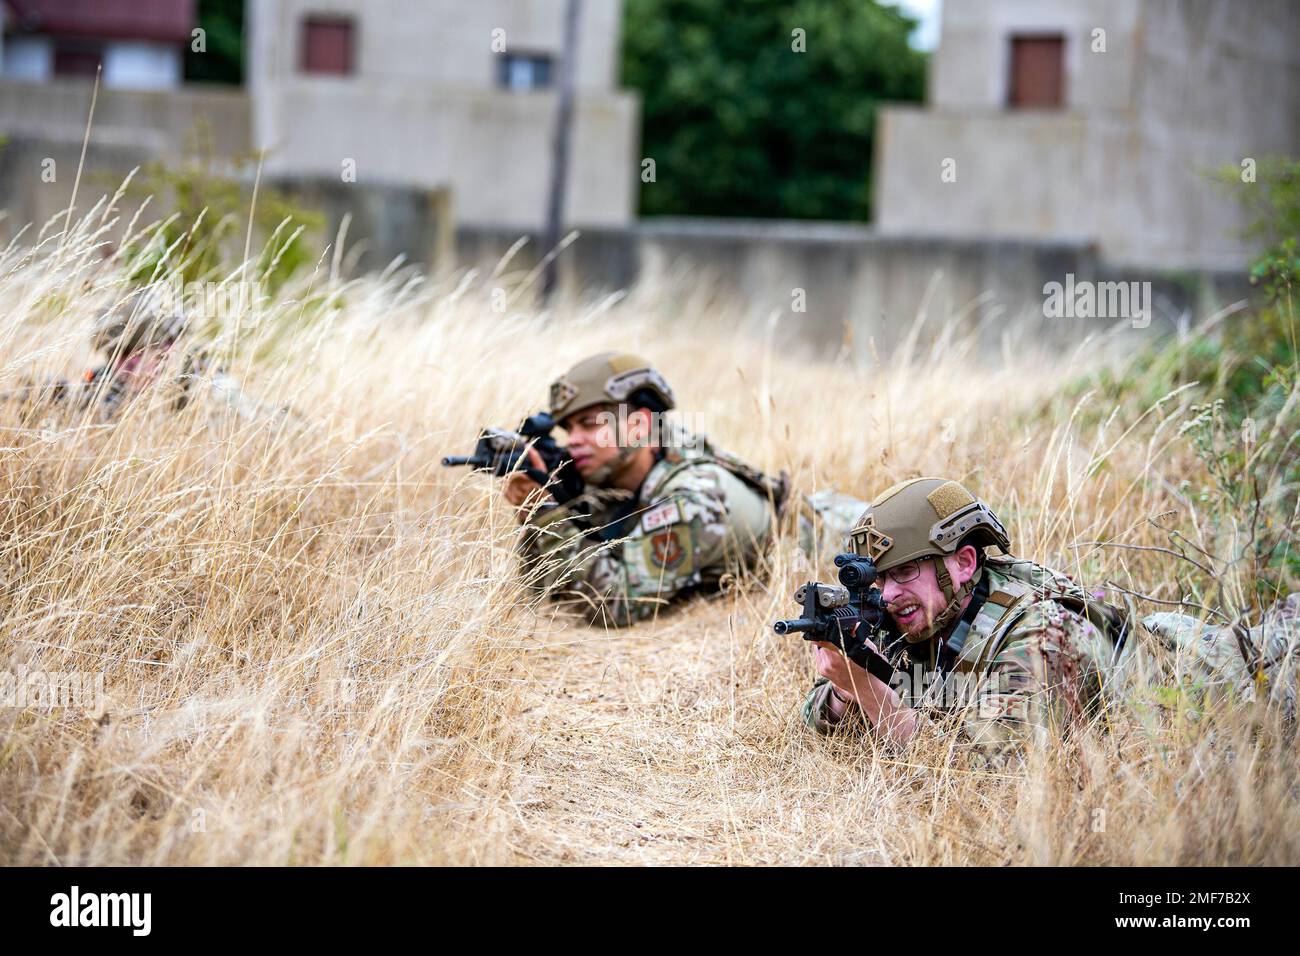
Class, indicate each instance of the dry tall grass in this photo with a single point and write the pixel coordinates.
(315, 652)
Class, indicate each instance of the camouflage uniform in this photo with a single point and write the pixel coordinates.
(1261, 662)
(699, 515)
(1031, 650)
(199, 380)
(1031, 658)
(132, 336)
(1016, 649)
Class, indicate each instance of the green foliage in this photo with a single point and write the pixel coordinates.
(1249, 361)
(223, 61)
(1244, 376)
(739, 124)
(1273, 202)
(1278, 269)
(208, 205)
(1273, 199)
(1258, 364)
(1254, 470)
(1243, 366)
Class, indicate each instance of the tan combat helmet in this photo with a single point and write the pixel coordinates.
(927, 517)
(606, 379)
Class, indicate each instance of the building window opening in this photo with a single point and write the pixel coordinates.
(524, 71)
(1037, 72)
(74, 58)
(327, 45)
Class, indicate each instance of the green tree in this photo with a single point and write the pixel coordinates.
(739, 122)
(223, 61)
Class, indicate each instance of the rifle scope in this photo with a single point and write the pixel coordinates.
(855, 572)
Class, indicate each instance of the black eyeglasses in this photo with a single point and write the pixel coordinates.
(906, 572)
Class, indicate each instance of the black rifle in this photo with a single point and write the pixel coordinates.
(58, 391)
(503, 452)
(844, 615)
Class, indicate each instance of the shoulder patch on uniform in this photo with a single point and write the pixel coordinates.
(660, 516)
(669, 549)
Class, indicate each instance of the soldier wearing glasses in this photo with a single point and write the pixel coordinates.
(1035, 646)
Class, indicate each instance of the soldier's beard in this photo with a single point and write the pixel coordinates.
(917, 624)
(919, 621)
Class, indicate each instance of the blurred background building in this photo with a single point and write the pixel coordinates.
(140, 44)
(417, 96)
(1097, 121)
(737, 146)
(412, 117)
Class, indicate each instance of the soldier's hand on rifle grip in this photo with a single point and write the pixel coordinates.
(843, 674)
(523, 492)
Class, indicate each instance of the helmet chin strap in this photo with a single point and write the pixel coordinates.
(621, 462)
(955, 597)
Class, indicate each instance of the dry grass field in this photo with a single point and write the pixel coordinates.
(315, 650)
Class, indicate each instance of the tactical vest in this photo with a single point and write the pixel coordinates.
(701, 450)
(1013, 586)
(821, 520)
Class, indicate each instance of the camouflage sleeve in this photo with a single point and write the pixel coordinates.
(1046, 676)
(677, 543)
(562, 559)
(816, 712)
(1244, 664)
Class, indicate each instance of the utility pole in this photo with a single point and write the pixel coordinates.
(560, 147)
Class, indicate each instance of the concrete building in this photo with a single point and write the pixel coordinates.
(407, 114)
(1068, 161)
(1094, 121)
(140, 45)
(443, 93)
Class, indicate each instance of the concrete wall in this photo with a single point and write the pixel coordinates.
(27, 198)
(132, 128)
(39, 123)
(384, 223)
(1184, 87)
(423, 108)
(156, 121)
(859, 287)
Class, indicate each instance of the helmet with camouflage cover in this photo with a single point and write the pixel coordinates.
(607, 378)
(131, 327)
(927, 517)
